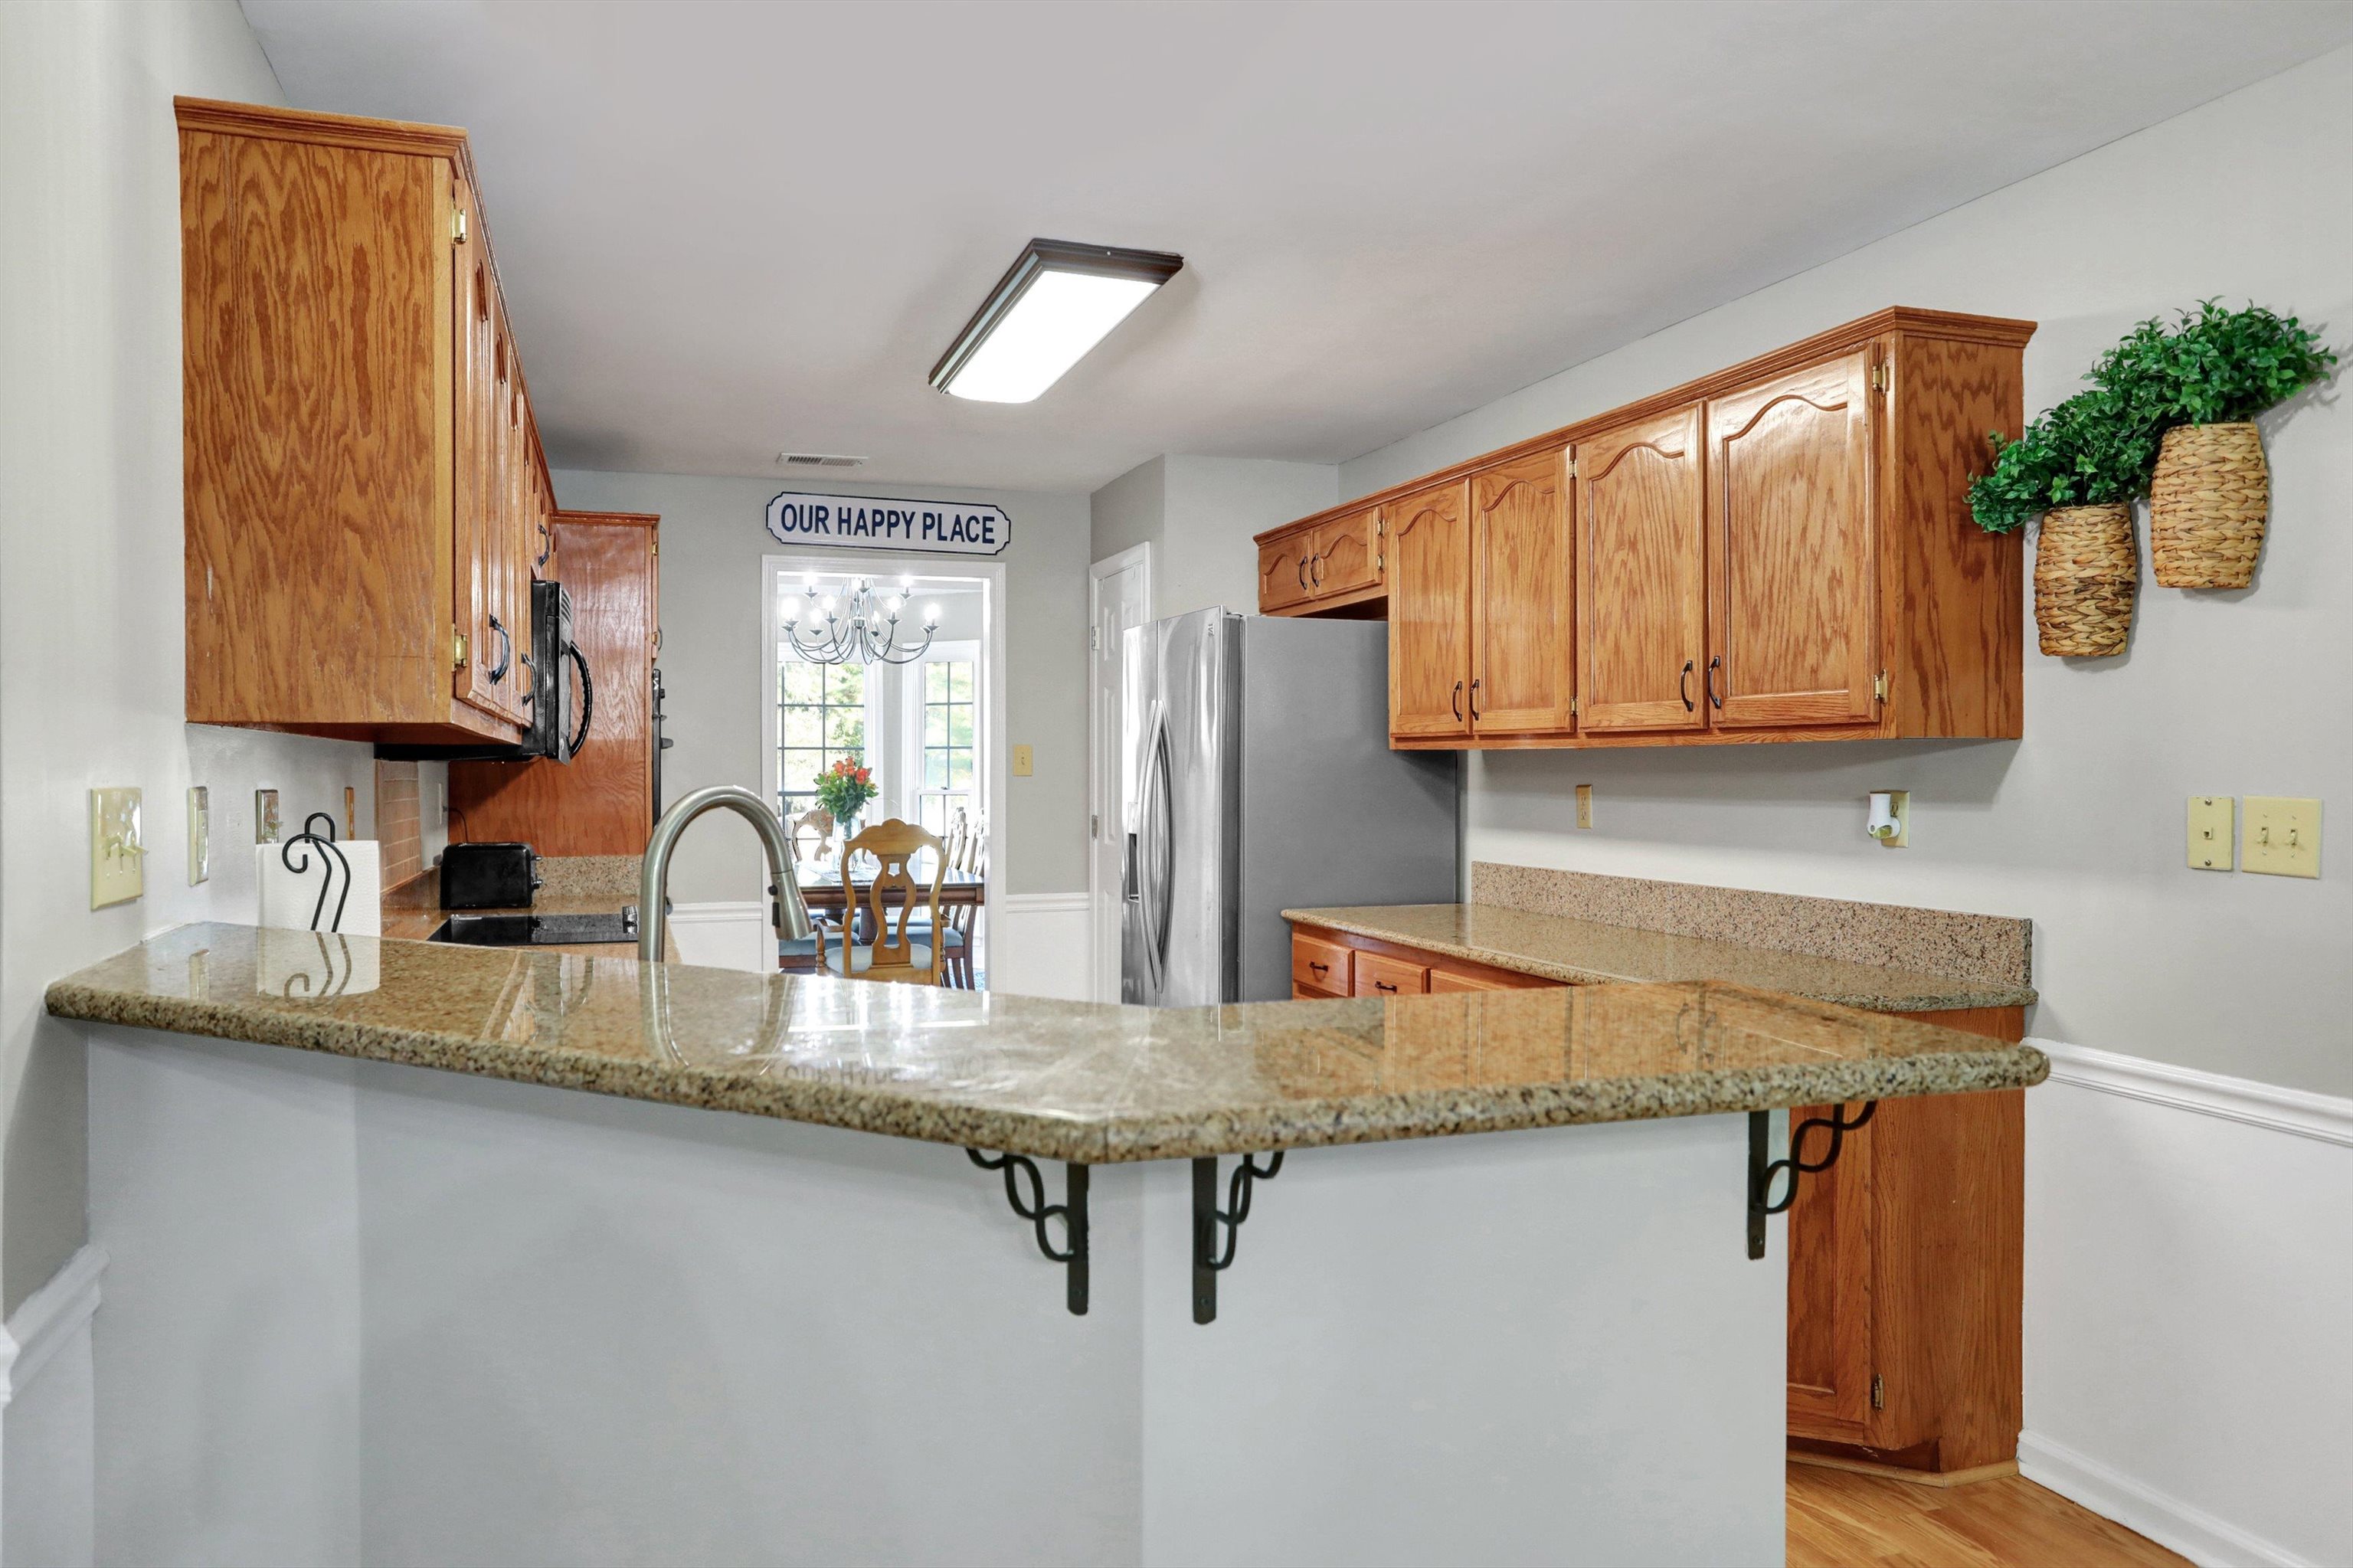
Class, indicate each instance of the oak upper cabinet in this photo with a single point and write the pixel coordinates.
(1334, 565)
(1781, 550)
(1427, 538)
(1641, 575)
(1793, 590)
(1523, 608)
(361, 471)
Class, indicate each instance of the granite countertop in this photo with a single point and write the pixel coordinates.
(1060, 1080)
(1587, 952)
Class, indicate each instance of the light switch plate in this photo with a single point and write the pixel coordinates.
(2213, 832)
(1022, 762)
(200, 834)
(2283, 836)
(116, 850)
(1585, 805)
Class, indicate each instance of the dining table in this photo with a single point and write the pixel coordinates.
(825, 892)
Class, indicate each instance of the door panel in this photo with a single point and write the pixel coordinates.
(1831, 1277)
(1640, 584)
(1793, 621)
(1429, 614)
(1346, 557)
(1282, 572)
(1523, 598)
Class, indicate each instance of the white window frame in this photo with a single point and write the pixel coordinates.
(911, 723)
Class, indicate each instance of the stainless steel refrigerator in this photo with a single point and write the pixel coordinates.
(1257, 776)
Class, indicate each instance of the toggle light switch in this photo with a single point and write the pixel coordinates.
(2283, 836)
(117, 874)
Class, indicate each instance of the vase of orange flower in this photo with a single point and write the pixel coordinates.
(843, 790)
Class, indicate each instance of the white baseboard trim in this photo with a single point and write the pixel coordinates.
(48, 1319)
(2197, 1535)
(2301, 1112)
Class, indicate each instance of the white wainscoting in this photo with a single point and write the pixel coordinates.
(1042, 946)
(2190, 1307)
(48, 1452)
(1039, 946)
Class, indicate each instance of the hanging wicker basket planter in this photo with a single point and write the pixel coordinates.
(2207, 503)
(2085, 574)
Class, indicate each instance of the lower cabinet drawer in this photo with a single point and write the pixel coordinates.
(1319, 965)
(1378, 976)
(1449, 980)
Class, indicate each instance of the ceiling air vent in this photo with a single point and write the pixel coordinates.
(819, 459)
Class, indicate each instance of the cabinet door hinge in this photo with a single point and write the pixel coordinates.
(1879, 687)
(1878, 1392)
(1882, 376)
(1094, 826)
(1572, 707)
(1569, 469)
(457, 225)
(457, 649)
(1380, 525)
(1094, 638)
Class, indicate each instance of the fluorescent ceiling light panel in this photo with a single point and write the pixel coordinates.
(1057, 301)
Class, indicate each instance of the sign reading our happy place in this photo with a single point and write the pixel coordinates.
(883, 522)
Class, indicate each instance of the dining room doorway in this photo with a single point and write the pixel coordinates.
(919, 711)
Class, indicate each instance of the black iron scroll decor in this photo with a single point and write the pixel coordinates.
(1762, 1168)
(330, 860)
(1025, 1189)
(1211, 1258)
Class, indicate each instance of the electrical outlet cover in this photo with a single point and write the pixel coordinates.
(116, 849)
(1585, 805)
(200, 834)
(2283, 836)
(2212, 831)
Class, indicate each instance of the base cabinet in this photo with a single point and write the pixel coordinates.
(1907, 1256)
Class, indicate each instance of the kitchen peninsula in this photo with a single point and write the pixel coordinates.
(1552, 1343)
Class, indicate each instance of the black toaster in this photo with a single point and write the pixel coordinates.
(489, 876)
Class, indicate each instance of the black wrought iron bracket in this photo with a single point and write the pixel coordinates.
(1762, 1168)
(1209, 1258)
(1025, 1189)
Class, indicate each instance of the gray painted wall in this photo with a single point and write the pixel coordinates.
(712, 538)
(1200, 514)
(91, 618)
(2080, 824)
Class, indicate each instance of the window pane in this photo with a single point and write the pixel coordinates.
(936, 769)
(845, 684)
(935, 726)
(845, 729)
(960, 724)
(960, 770)
(801, 767)
(803, 682)
(960, 680)
(803, 726)
(936, 682)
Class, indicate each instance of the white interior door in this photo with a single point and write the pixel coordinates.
(1121, 598)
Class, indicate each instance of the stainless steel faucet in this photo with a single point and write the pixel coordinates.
(785, 902)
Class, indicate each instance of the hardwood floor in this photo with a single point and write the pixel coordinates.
(1839, 1519)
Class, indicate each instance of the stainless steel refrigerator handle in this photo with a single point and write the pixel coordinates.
(1165, 851)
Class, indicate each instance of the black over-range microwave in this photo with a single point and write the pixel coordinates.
(562, 700)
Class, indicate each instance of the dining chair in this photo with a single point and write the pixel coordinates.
(895, 954)
(818, 820)
(806, 956)
(956, 938)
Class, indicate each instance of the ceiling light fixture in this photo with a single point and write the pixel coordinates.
(1057, 301)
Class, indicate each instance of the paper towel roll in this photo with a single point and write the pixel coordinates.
(288, 895)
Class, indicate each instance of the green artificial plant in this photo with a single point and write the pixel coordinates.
(2081, 453)
(2212, 366)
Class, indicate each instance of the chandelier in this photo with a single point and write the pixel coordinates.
(861, 624)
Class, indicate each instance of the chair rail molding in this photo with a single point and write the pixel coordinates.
(47, 1321)
(2302, 1112)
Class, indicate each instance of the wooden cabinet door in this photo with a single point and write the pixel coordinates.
(1522, 601)
(1641, 580)
(1344, 555)
(1794, 628)
(1282, 572)
(1429, 614)
(1831, 1273)
(478, 350)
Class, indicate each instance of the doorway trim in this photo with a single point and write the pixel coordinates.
(1102, 808)
(997, 753)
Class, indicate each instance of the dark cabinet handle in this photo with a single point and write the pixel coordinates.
(1714, 665)
(1319, 969)
(546, 545)
(1683, 685)
(1315, 569)
(587, 699)
(1302, 574)
(1458, 701)
(1475, 701)
(498, 672)
(1383, 985)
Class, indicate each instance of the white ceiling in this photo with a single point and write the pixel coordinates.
(729, 230)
